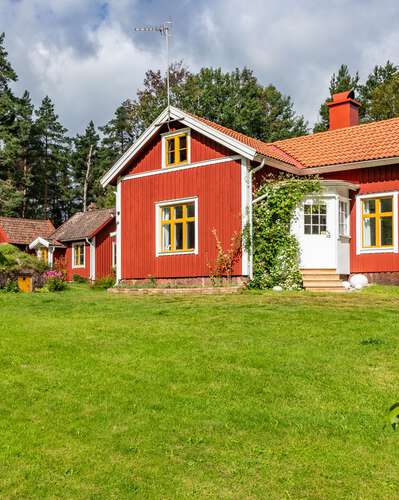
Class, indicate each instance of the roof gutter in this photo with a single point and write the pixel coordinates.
(380, 162)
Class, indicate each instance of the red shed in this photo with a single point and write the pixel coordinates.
(86, 242)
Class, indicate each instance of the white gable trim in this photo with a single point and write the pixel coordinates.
(189, 121)
(39, 242)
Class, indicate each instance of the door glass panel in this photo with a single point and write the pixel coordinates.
(369, 232)
(315, 218)
(166, 213)
(386, 231)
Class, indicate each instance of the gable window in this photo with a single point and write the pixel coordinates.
(78, 255)
(177, 227)
(315, 218)
(176, 149)
(377, 222)
(343, 218)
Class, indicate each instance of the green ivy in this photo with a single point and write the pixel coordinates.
(275, 248)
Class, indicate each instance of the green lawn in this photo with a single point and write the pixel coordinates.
(260, 395)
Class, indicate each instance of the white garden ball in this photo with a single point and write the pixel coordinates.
(358, 287)
(358, 280)
(346, 285)
(277, 288)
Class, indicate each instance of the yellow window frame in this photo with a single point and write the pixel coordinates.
(177, 149)
(378, 215)
(172, 221)
(78, 252)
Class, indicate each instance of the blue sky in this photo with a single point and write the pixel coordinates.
(87, 57)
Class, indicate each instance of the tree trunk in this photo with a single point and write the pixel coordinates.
(87, 177)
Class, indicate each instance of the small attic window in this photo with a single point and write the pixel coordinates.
(176, 148)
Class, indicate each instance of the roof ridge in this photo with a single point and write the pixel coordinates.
(25, 219)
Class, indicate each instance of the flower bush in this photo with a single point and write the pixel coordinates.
(54, 281)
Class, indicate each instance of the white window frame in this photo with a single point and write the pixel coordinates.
(359, 239)
(348, 218)
(171, 134)
(158, 206)
(74, 245)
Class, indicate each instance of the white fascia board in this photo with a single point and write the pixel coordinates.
(191, 122)
(39, 241)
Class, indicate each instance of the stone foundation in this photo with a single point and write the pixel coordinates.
(385, 278)
(197, 282)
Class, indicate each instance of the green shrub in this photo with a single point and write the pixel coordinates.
(10, 287)
(55, 285)
(77, 278)
(275, 248)
(13, 259)
(104, 283)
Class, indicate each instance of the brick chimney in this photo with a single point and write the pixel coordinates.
(344, 110)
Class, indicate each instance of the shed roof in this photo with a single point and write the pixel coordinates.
(83, 225)
(23, 231)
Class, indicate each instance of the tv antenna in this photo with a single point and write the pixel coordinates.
(165, 30)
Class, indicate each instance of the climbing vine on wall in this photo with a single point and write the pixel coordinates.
(275, 248)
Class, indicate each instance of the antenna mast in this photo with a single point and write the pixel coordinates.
(165, 30)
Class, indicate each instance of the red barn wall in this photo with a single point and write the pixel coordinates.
(218, 188)
(104, 251)
(370, 180)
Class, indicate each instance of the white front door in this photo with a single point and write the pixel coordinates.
(315, 228)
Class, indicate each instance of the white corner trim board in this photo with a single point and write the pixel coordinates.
(246, 212)
(118, 205)
(359, 223)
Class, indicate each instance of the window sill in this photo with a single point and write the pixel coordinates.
(177, 165)
(377, 250)
(163, 254)
(78, 267)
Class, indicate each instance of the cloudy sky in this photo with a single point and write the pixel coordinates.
(87, 57)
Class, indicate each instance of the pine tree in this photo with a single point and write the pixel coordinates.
(379, 94)
(340, 82)
(51, 183)
(86, 167)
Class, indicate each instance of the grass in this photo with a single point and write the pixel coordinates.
(258, 395)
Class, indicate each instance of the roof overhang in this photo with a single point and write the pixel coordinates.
(379, 162)
(39, 242)
(337, 184)
(190, 121)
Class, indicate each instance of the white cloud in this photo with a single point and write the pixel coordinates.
(85, 55)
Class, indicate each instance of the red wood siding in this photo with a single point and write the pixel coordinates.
(104, 251)
(370, 180)
(150, 158)
(82, 271)
(218, 188)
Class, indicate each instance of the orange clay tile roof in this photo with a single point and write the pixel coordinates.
(24, 231)
(368, 141)
(264, 148)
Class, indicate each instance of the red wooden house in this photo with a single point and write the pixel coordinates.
(85, 243)
(20, 232)
(186, 177)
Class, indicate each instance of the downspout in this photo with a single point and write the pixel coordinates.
(250, 216)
